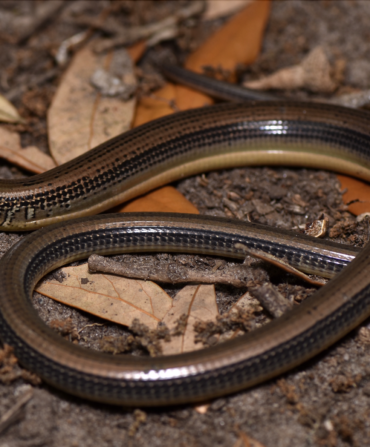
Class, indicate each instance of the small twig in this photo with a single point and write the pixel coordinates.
(278, 263)
(89, 325)
(43, 14)
(13, 413)
(237, 275)
(61, 56)
(35, 81)
(125, 36)
(78, 39)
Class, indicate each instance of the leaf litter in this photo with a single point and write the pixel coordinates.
(159, 324)
(83, 113)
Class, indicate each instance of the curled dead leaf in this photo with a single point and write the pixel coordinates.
(8, 113)
(313, 73)
(30, 158)
(356, 195)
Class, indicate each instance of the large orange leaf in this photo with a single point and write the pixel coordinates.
(238, 41)
(357, 195)
(166, 199)
(136, 50)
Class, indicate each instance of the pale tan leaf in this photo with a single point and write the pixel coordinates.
(198, 303)
(8, 113)
(110, 297)
(30, 158)
(313, 73)
(222, 8)
(80, 116)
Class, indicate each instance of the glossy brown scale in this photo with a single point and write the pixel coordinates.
(179, 145)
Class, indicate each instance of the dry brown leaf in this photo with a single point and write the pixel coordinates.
(137, 50)
(8, 113)
(357, 192)
(238, 41)
(155, 106)
(313, 73)
(164, 200)
(110, 297)
(222, 8)
(30, 158)
(80, 117)
(198, 303)
(122, 300)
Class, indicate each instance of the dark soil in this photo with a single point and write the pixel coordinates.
(324, 402)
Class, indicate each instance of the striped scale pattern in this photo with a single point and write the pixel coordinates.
(136, 161)
(196, 385)
(137, 381)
